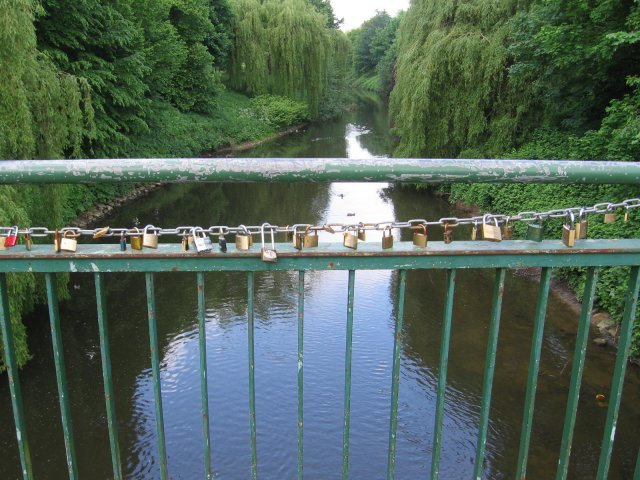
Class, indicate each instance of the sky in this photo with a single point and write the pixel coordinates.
(355, 12)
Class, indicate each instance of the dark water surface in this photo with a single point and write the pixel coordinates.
(359, 134)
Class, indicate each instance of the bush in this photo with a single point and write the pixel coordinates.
(279, 111)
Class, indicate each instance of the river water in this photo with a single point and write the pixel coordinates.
(359, 134)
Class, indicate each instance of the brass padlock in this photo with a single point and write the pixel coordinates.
(310, 241)
(185, 242)
(268, 254)
(447, 236)
(136, 239)
(68, 243)
(149, 239)
(420, 236)
(581, 226)
(490, 232)
(507, 230)
(56, 241)
(535, 232)
(387, 238)
(569, 232)
(476, 232)
(288, 234)
(298, 238)
(626, 215)
(350, 240)
(27, 242)
(610, 217)
(100, 233)
(362, 233)
(242, 239)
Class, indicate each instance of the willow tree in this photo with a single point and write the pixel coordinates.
(453, 91)
(282, 47)
(44, 113)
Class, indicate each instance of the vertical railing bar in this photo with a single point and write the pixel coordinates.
(252, 368)
(155, 366)
(624, 345)
(61, 375)
(347, 377)
(395, 378)
(300, 374)
(204, 385)
(534, 367)
(636, 476)
(576, 372)
(492, 346)
(11, 364)
(109, 396)
(442, 374)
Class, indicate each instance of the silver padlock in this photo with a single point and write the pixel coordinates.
(268, 254)
(149, 239)
(201, 240)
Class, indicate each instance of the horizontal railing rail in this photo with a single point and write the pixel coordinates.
(101, 260)
(426, 171)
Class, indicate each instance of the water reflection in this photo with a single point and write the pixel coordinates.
(360, 134)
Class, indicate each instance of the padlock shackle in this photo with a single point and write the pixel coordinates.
(273, 241)
(150, 227)
(486, 218)
(422, 227)
(572, 217)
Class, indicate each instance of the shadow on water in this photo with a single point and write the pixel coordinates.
(358, 134)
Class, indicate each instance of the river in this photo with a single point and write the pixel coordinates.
(359, 134)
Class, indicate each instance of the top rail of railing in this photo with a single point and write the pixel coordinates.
(426, 171)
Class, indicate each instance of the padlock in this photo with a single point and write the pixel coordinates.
(123, 242)
(626, 215)
(447, 236)
(490, 232)
(288, 234)
(476, 232)
(535, 232)
(610, 217)
(387, 238)
(136, 239)
(68, 243)
(350, 240)
(27, 242)
(310, 241)
(149, 239)
(222, 242)
(12, 238)
(569, 232)
(243, 239)
(298, 238)
(507, 230)
(362, 233)
(581, 226)
(420, 238)
(186, 242)
(201, 240)
(56, 241)
(2, 240)
(101, 233)
(268, 254)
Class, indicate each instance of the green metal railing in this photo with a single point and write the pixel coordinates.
(103, 260)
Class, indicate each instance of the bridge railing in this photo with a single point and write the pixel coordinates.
(102, 260)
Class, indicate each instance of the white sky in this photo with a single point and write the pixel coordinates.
(355, 12)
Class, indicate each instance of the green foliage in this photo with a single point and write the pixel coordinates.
(452, 89)
(374, 38)
(279, 111)
(44, 113)
(177, 134)
(282, 47)
(324, 7)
